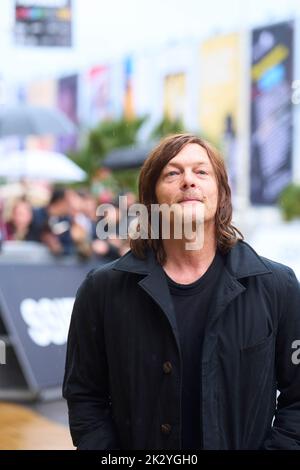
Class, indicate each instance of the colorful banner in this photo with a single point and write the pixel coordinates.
(128, 89)
(42, 93)
(175, 96)
(219, 113)
(271, 111)
(98, 94)
(67, 102)
(43, 23)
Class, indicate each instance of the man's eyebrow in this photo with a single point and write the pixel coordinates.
(179, 165)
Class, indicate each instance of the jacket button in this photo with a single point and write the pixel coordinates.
(166, 428)
(167, 367)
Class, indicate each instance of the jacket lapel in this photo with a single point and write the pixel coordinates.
(154, 283)
(227, 290)
(242, 261)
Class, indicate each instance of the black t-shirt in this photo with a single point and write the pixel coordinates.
(191, 305)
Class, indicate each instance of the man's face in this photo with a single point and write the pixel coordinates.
(189, 179)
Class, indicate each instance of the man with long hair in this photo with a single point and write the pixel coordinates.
(173, 347)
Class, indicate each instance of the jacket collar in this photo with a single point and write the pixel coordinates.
(241, 261)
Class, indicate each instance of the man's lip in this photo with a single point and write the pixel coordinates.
(189, 199)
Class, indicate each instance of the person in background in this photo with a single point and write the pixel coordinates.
(88, 217)
(19, 226)
(52, 224)
(108, 244)
(80, 223)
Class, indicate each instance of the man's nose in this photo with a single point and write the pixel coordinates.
(188, 180)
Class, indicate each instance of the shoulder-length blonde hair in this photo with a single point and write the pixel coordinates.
(226, 234)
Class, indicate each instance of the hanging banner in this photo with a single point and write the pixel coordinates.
(98, 94)
(219, 113)
(128, 100)
(175, 96)
(43, 23)
(271, 111)
(41, 93)
(67, 88)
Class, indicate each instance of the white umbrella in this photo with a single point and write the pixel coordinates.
(23, 120)
(40, 165)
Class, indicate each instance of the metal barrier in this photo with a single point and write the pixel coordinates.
(37, 293)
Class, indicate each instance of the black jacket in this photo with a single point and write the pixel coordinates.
(124, 367)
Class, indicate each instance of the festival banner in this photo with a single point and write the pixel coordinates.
(43, 23)
(175, 96)
(128, 100)
(67, 89)
(219, 106)
(41, 93)
(271, 111)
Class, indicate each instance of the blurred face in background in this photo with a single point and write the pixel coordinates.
(75, 202)
(60, 208)
(21, 215)
(90, 207)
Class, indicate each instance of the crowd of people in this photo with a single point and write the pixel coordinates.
(67, 223)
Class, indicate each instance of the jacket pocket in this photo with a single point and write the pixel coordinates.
(260, 345)
(256, 374)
